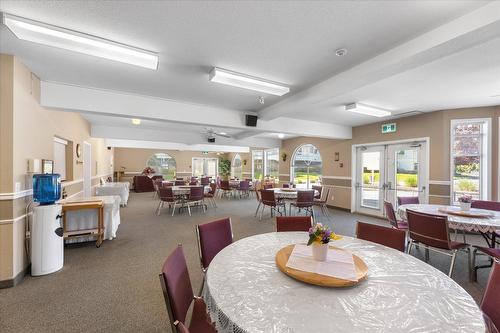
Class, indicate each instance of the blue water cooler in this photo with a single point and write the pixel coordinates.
(47, 242)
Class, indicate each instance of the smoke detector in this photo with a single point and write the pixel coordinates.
(340, 52)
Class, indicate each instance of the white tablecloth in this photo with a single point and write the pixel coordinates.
(484, 225)
(121, 189)
(246, 292)
(87, 218)
(288, 194)
(184, 190)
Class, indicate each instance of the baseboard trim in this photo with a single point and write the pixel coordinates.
(16, 280)
(339, 208)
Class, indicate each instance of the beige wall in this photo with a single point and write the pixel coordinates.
(434, 125)
(27, 131)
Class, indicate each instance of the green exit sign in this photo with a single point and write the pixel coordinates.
(388, 128)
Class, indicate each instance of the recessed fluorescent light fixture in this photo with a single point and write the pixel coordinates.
(244, 81)
(367, 110)
(136, 121)
(50, 35)
(281, 135)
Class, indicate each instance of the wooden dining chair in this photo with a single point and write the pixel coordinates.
(490, 305)
(178, 295)
(389, 237)
(432, 231)
(293, 223)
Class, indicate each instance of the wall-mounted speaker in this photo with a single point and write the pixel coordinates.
(251, 120)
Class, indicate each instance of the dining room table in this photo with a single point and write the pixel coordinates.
(245, 291)
(483, 221)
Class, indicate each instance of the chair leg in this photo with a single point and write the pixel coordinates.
(426, 253)
(473, 266)
(173, 209)
(160, 204)
(453, 257)
(410, 244)
(189, 209)
(257, 210)
(469, 251)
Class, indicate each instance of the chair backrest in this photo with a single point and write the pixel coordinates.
(267, 186)
(268, 198)
(176, 285)
(179, 178)
(389, 237)
(484, 204)
(181, 328)
(429, 229)
(293, 223)
(224, 184)
(166, 184)
(192, 183)
(212, 238)
(244, 185)
(285, 185)
(407, 200)
(205, 181)
(490, 304)
(325, 194)
(213, 188)
(391, 215)
(179, 183)
(166, 193)
(305, 198)
(196, 193)
(318, 188)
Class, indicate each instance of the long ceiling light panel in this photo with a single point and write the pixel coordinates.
(46, 34)
(367, 110)
(244, 81)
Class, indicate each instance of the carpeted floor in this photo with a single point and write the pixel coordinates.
(116, 288)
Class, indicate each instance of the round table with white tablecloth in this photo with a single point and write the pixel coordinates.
(246, 292)
(289, 193)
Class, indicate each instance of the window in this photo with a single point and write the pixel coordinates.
(272, 163)
(470, 158)
(163, 164)
(202, 166)
(60, 157)
(236, 167)
(257, 164)
(306, 167)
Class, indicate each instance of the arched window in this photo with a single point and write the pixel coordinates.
(306, 166)
(163, 164)
(236, 168)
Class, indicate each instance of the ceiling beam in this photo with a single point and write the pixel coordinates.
(183, 137)
(476, 27)
(105, 102)
(120, 143)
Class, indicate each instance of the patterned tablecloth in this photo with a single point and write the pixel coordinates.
(476, 224)
(246, 292)
(184, 190)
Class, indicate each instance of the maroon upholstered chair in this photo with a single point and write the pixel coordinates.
(319, 189)
(157, 183)
(211, 195)
(389, 237)
(195, 198)
(244, 188)
(212, 238)
(269, 199)
(143, 184)
(285, 185)
(305, 200)
(293, 223)
(178, 294)
(484, 204)
(180, 327)
(490, 305)
(179, 183)
(408, 201)
(321, 202)
(165, 195)
(432, 231)
(205, 181)
(225, 188)
(268, 186)
(193, 183)
(391, 217)
(493, 253)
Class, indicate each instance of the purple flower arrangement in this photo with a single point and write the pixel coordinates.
(465, 199)
(321, 234)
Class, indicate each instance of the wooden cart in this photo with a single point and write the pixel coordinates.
(98, 232)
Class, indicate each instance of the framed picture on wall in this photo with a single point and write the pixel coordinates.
(47, 166)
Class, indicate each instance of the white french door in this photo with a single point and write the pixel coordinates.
(389, 171)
